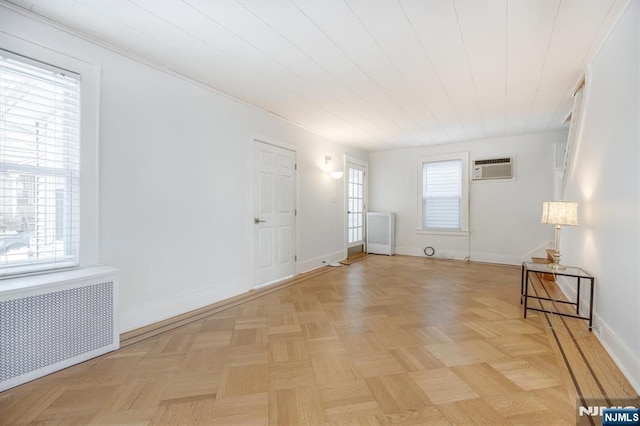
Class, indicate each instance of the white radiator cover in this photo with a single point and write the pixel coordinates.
(381, 236)
(52, 321)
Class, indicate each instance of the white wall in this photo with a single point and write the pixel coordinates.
(175, 208)
(504, 217)
(606, 183)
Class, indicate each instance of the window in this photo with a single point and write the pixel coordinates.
(39, 166)
(444, 192)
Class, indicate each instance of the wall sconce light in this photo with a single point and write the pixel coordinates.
(559, 213)
(328, 163)
(328, 166)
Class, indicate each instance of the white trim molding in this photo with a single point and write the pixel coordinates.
(623, 356)
(142, 315)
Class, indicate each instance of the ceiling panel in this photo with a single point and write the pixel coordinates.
(483, 27)
(615, 11)
(58, 9)
(576, 27)
(378, 74)
(437, 28)
(398, 48)
(530, 26)
(371, 72)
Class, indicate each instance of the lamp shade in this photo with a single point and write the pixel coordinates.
(560, 213)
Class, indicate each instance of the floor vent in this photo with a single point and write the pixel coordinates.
(45, 327)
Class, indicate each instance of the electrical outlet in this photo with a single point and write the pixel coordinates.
(596, 328)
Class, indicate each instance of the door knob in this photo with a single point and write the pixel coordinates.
(256, 220)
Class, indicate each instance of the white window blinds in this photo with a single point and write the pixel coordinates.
(39, 166)
(441, 194)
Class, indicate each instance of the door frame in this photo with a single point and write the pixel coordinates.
(251, 193)
(365, 165)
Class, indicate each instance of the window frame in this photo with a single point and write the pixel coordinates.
(89, 76)
(464, 199)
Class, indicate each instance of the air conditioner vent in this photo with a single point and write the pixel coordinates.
(494, 161)
(494, 168)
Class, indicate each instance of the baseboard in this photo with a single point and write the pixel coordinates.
(444, 254)
(319, 262)
(159, 327)
(462, 255)
(620, 353)
(539, 251)
(568, 289)
(504, 259)
(143, 315)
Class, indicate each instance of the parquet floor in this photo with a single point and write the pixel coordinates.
(386, 340)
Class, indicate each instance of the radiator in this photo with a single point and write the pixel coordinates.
(381, 234)
(52, 321)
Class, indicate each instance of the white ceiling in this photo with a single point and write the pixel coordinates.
(374, 74)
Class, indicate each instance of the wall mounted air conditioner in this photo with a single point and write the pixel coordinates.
(381, 235)
(494, 168)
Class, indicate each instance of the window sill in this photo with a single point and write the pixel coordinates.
(450, 232)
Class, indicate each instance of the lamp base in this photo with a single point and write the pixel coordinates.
(555, 265)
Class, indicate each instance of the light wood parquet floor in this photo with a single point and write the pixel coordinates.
(386, 340)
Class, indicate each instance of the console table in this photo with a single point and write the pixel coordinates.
(568, 271)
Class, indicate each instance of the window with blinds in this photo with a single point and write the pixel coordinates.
(39, 166)
(442, 194)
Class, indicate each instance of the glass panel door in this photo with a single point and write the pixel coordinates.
(355, 205)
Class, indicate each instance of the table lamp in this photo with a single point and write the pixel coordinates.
(559, 213)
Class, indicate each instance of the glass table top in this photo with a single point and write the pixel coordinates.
(547, 268)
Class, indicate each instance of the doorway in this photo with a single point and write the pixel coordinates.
(274, 222)
(356, 206)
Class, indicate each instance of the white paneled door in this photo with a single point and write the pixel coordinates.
(274, 219)
(355, 204)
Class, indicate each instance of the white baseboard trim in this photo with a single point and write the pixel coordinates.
(622, 355)
(272, 283)
(539, 251)
(569, 290)
(317, 262)
(504, 259)
(410, 251)
(419, 252)
(142, 315)
(627, 361)
(462, 254)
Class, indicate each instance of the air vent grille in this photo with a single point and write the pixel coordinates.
(46, 331)
(493, 161)
(495, 168)
(41, 330)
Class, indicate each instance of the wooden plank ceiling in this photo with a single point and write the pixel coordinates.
(375, 74)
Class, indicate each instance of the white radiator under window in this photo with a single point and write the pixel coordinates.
(52, 321)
